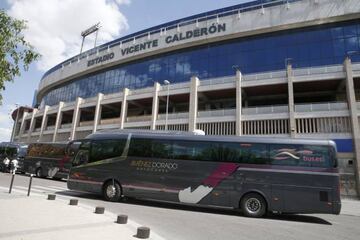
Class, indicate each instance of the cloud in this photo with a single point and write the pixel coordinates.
(54, 26)
(6, 122)
(5, 134)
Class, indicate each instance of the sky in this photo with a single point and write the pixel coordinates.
(54, 28)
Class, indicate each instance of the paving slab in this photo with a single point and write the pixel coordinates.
(32, 217)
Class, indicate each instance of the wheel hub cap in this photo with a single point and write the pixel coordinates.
(111, 191)
(253, 205)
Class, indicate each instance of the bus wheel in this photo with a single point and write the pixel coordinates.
(112, 191)
(38, 173)
(253, 205)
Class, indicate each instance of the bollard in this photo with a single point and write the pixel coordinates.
(73, 202)
(143, 232)
(122, 219)
(30, 182)
(51, 197)
(99, 210)
(12, 182)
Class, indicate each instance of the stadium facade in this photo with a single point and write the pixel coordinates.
(264, 68)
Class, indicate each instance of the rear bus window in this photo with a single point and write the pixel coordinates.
(300, 155)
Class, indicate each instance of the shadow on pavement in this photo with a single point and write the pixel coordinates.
(205, 209)
(299, 218)
(230, 212)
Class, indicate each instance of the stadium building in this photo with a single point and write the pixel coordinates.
(280, 68)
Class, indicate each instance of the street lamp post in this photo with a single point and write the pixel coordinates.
(167, 83)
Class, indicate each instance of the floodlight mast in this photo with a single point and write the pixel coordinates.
(90, 30)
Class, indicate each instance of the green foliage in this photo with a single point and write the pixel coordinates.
(14, 50)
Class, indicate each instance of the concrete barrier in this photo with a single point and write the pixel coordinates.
(73, 202)
(122, 219)
(99, 210)
(143, 232)
(51, 197)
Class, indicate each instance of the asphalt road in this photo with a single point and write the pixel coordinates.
(177, 222)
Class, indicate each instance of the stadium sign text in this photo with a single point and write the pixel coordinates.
(170, 39)
(101, 59)
(198, 32)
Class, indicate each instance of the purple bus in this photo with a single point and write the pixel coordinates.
(251, 174)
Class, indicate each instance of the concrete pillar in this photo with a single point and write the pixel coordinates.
(155, 106)
(58, 120)
(97, 116)
(13, 133)
(238, 103)
(350, 92)
(76, 118)
(32, 123)
(22, 126)
(292, 122)
(43, 122)
(193, 103)
(123, 108)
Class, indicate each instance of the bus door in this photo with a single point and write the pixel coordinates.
(79, 172)
(70, 152)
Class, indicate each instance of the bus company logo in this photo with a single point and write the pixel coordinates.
(153, 166)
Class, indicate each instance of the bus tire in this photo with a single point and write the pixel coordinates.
(253, 205)
(112, 191)
(39, 173)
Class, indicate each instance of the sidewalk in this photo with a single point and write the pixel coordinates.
(36, 217)
(350, 207)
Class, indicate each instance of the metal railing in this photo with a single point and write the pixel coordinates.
(86, 123)
(220, 80)
(66, 125)
(318, 70)
(178, 115)
(265, 110)
(356, 66)
(217, 113)
(110, 121)
(317, 107)
(264, 75)
(173, 86)
(138, 118)
(142, 90)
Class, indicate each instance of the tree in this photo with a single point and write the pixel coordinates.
(14, 50)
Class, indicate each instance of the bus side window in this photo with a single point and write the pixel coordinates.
(106, 149)
(249, 153)
(201, 151)
(283, 154)
(140, 148)
(161, 149)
